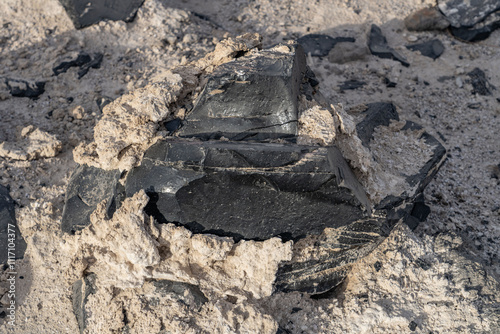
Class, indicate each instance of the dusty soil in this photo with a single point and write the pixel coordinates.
(416, 280)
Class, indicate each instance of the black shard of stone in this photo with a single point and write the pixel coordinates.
(87, 187)
(253, 97)
(83, 60)
(248, 186)
(319, 45)
(23, 88)
(248, 190)
(12, 244)
(432, 49)
(379, 47)
(84, 13)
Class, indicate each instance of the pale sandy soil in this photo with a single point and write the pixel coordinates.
(460, 238)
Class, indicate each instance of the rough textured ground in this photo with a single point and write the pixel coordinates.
(443, 277)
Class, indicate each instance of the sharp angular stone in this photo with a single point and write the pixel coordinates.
(249, 190)
(426, 19)
(432, 49)
(258, 190)
(250, 98)
(479, 82)
(84, 13)
(341, 247)
(379, 47)
(87, 187)
(378, 113)
(463, 13)
(81, 290)
(82, 60)
(320, 45)
(23, 88)
(8, 226)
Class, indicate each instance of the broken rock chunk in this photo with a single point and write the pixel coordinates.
(233, 172)
(248, 190)
(254, 97)
(23, 88)
(479, 82)
(379, 47)
(84, 13)
(320, 45)
(432, 49)
(426, 19)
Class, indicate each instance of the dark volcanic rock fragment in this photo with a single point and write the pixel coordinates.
(22, 88)
(82, 60)
(466, 13)
(87, 187)
(379, 47)
(352, 84)
(432, 49)
(79, 60)
(12, 244)
(320, 45)
(254, 97)
(426, 19)
(189, 294)
(84, 13)
(378, 113)
(249, 190)
(81, 290)
(479, 82)
(246, 189)
(477, 33)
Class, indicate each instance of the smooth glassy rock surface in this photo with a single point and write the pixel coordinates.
(254, 97)
(84, 13)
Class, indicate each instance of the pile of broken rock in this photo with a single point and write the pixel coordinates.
(233, 176)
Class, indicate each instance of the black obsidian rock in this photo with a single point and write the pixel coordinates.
(249, 190)
(432, 49)
(377, 43)
(250, 187)
(87, 187)
(82, 60)
(11, 246)
(319, 45)
(84, 13)
(253, 97)
(23, 88)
